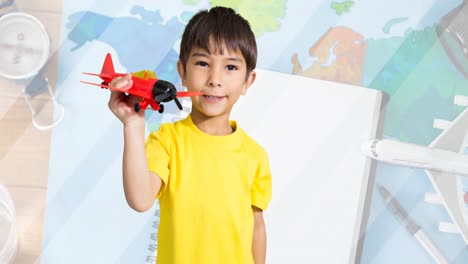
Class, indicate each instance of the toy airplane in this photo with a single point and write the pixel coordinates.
(152, 90)
(444, 161)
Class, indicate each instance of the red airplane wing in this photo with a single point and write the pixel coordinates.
(109, 76)
(106, 77)
(187, 94)
(112, 88)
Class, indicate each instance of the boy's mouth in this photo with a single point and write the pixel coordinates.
(212, 98)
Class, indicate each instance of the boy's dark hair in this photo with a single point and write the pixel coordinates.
(223, 26)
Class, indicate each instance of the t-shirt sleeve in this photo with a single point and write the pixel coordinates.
(261, 188)
(157, 156)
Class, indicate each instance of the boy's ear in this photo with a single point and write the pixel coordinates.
(180, 69)
(250, 80)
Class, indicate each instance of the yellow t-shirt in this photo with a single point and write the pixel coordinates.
(210, 185)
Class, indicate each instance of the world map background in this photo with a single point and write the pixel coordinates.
(391, 47)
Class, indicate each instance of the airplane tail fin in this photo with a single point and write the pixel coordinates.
(108, 66)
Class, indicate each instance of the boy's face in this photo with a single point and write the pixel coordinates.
(221, 77)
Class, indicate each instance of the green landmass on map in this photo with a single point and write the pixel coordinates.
(341, 7)
(420, 79)
(392, 22)
(263, 16)
(190, 2)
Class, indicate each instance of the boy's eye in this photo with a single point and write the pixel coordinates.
(231, 67)
(201, 63)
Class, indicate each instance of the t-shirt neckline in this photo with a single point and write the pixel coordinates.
(188, 121)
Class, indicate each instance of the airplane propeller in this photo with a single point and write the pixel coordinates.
(167, 92)
(178, 103)
(172, 95)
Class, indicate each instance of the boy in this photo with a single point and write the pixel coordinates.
(212, 180)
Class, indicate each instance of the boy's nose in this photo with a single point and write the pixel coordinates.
(214, 83)
(215, 78)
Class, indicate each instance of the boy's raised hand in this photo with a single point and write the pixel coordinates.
(121, 104)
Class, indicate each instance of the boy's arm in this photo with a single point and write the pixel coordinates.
(259, 237)
(140, 185)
